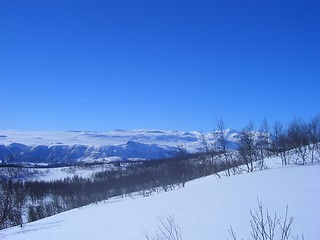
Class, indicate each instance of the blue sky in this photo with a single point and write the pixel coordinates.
(157, 64)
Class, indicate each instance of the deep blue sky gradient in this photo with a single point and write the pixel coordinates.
(157, 64)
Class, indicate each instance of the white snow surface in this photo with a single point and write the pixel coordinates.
(204, 209)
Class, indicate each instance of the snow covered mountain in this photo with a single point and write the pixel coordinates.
(76, 146)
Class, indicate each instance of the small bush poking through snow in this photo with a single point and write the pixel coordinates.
(168, 229)
(265, 226)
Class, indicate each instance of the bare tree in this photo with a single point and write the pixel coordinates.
(5, 206)
(280, 142)
(210, 154)
(298, 137)
(11, 204)
(222, 146)
(168, 229)
(247, 147)
(266, 226)
(263, 142)
(314, 136)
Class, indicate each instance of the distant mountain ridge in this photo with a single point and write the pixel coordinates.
(49, 147)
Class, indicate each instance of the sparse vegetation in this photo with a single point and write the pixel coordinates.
(168, 229)
(297, 142)
(267, 226)
(264, 226)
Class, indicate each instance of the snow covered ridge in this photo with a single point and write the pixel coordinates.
(204, 209)
(76, 146)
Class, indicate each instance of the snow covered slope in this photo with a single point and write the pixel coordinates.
(74, 146)
(205, 209)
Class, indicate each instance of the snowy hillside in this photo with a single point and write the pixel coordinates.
(71, 147)
(204, 209)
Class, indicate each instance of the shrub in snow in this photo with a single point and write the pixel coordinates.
(265, 226)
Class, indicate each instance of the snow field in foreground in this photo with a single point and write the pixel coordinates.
(205, 209)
